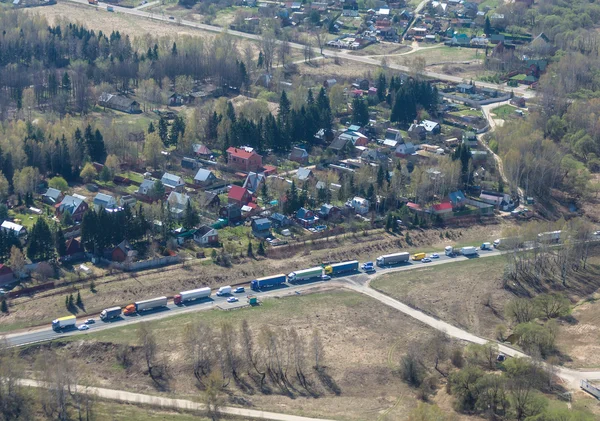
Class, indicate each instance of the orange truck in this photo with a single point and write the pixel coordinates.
(145, 305)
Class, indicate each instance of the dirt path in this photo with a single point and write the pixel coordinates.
(180, 404)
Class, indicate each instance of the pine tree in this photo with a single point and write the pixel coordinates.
(174, 49)
(163, 130)
(59, 241)
(310, 100)
(487, 27)
(190, 216)
(250, 252)
(79, 301)
(261, 249)
(67, 302)
(71, 301)
(4, 306)
(264, 192)
(151, 127)
(381, 87)
(389, 223)
(380, 176)
(92, 286)
(261, 60)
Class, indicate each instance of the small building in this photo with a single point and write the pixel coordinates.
(189, 163)
(457, 199)
(209, 200)
(469, 139)
(11, 228)
(204, 177)
(177, 203)
(242, 160)
(146, 187)
(306, 217)
(329, 83)
(279, 220)
(261, 227)
(500, 200)
(417, 132)
(201, 151)
(6, 275)
(104, 201)
(465, 88)
(374, 156)
(431, 127)
(443, 209)
(52, 196)
(304, 174)
(74, 205)
(405, 149)
(232, 212)
(123, 252)
(172, 181)
(299, 155)
(176, 100)
(360, 205)
(254, 182)
(73, 250)
(239, 196)
(119, 103)
(206, 236)
(128, 201)
(393, 134)
(330, 212)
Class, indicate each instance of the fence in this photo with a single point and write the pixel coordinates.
(590, 388)
(474, 103)
(30, 290)
(147, 264)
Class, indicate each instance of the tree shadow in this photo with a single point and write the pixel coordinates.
(327, 381)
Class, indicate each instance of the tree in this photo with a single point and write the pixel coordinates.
(261, 249)
(104, 174)
(4, 187)
(88, 173)
(4, 306)
(59, 242)
(158, 190)
(268, 44)
(411, 370)
(250, 253)
(25, 180)
(59, 183)
(535, 338)
(79, 301)
(213, 394)
(190, 216)
(163, 131)
(41, 243)
(487, 27)
(521, 310)
(17, 261)
(152, 149)
(113, 164)
(552, 305)
(318, 350)
(360, 112)
(463, 386)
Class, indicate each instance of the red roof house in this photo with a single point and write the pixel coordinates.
(442, 208)
(239, 196)
(242, 160)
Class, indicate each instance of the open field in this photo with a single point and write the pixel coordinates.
(458, 293)
(505, 112)
(580, 339)
(363, 340)
(381, 48)
(105, 410)
(123, 288)
(440, 55)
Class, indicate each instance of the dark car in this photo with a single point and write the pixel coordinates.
(239, 290)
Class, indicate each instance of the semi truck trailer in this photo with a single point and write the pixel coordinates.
(145, 305)
(63, 323)
(268, 282)
(193, 294)
(343, 267)
(110, 313)
(468, 251)
(393, 259)
(306, 274)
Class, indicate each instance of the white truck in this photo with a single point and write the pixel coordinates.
(224, 291)
(393, 259)
(449, 251)
(549, 237)
(63, 323)
(469, 251)
(306, 274)
(194, 294)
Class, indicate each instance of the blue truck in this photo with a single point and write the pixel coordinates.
(343, 267)
(268, 282)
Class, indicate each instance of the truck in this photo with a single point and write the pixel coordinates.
(549, 237)
(193, 294)
(392, 259)
(110, 9)
(418, 256)
(306, 274)
(342, 267)
(368, 267)
(224, 291)
(449, 251)
(268, 282)
(468, 251)
(110, 313)
(93, 2)
(145, 305)
(486, 246)
(63, 323)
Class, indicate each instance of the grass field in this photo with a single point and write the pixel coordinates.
(580, 339)
(105, 410)
(505, 112)
(364, 341)
(440, 55)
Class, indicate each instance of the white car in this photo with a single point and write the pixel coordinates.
(325, 277)
(83, 327)
(232, 300)
(434, 256)
(89, 322)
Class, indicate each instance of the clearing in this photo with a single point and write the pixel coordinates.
(579, 336)
(440, 55)
(363, 340)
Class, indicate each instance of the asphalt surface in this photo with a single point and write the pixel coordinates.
(47, 334)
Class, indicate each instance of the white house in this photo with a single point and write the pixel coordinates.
(177, 203)
(146, 187)
(407, 148)
(104, 201)
(172, 181)
(206, 235)
(16, 229)
(360, 205)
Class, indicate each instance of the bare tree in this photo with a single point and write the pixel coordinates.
(268, 44)
(199, 341)
(299, 349)
(521, 310)
(61, 377)
(438, 349)
(14, 403)
(213, 395)
(317, 348)
(321, 39)
(228, 347)
(552, 305)
(157, 369)
(251, 354)
(283, 51)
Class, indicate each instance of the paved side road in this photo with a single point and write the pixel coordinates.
(179, 404)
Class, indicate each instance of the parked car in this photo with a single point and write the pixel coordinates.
(89, 322)
(83, 327)
(232, 300)
(426, 260)
(239, 290)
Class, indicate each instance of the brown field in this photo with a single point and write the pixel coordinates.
(363, 339)
(123, 288)
(580, 339)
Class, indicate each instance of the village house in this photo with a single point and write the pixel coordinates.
(330, 212)
(123, 252)
(261, 227)
(206, 236)
(119, 103)
(242, 160)
(417, 132)
(52, 196)
(405, 149)
(146, 187)
(299, 155)
(306, 217)
(443, 210)
(15, 229)
(172, 181)
(238, 196)
(6, 275)
(127, 200)
(279, 220)
(502, 201)
(469, 139)
(189, 163)
(303, 174)
(74, 205)
(360, 205)
(104, 201)
(204, 177)
(201, 151)
(209, 200)
(457, 199)
(73, 250)
(254, 182)
(177, 203)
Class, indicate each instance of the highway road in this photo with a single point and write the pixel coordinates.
(47, 334)
(521, 90)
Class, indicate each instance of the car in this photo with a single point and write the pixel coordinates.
(232, 300)
(83, 327)
(434, 256)
(89, 322)
(172, 17)
(325, 277)
(2, 291)
(596, 232)
(370, 270)
(239, 290)
(426, 260)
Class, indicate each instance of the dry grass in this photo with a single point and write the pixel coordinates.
(580, 339)
(363, 340)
